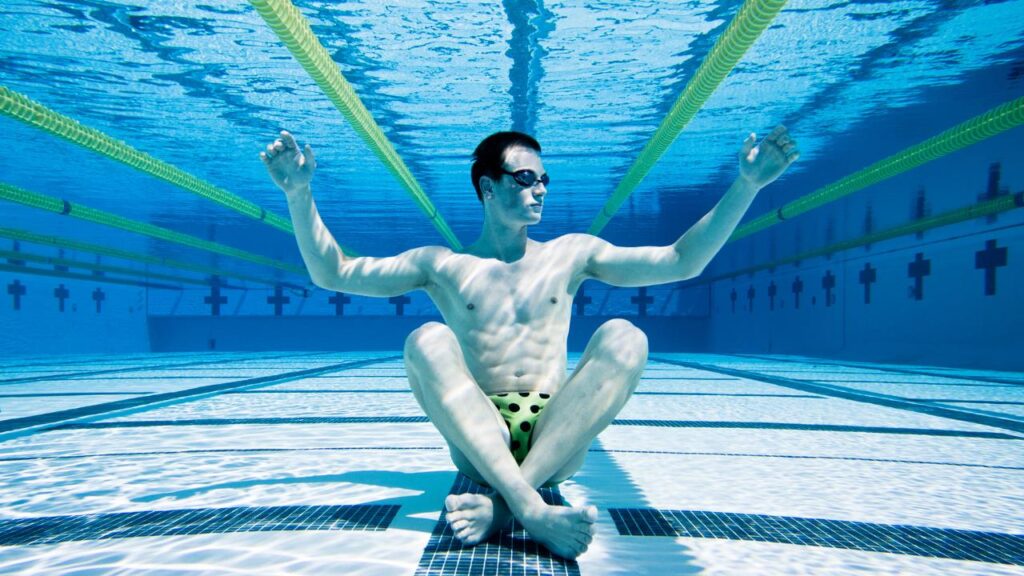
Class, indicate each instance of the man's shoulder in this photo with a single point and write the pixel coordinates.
(428, 253)
(577, 241)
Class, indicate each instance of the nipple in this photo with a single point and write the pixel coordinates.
(554, 300)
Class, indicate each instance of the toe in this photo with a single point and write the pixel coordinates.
(589, 514)
(451, 502)
(454, 516)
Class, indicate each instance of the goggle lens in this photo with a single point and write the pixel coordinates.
(528, 178)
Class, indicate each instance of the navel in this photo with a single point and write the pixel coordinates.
(470, 306)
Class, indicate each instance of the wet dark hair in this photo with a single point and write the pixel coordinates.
(489, 155)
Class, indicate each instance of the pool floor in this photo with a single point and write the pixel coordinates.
(323, 463)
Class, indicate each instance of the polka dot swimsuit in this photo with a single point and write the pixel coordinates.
(520, 411)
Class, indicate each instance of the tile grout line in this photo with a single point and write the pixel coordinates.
(1006, 423)
(17, 427)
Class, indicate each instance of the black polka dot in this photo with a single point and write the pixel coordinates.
(525, 426)
(545, 396)
(534, 408)
(503, 394)
(513, 407)
(524, 394)
(515, 445)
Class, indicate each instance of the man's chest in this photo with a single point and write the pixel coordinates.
(521, 291)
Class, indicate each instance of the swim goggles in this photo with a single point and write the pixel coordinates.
(527, 178)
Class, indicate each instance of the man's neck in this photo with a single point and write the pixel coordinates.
(502, 242)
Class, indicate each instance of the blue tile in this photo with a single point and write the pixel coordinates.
(953, 544)
(54, 529)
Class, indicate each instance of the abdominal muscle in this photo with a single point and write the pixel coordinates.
(526, 362)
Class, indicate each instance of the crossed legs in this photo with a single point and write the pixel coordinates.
(585, 404)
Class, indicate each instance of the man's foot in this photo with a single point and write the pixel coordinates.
(474, 517)
(565, 531)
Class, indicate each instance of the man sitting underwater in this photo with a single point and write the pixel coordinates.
(492, 377)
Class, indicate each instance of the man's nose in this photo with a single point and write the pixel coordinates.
(540, 190)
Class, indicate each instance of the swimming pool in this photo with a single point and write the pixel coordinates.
(312, 463)
(837, 392)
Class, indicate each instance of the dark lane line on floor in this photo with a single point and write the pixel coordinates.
(889, 369)
(992, 547)
(616, 422)
(48, 394)
(31, 424)
(1004, 422)
(78, 375)
(56, 529)
(238, 451)
(505, 552)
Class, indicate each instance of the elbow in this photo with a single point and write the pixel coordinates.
(692, 273)
(322, 282)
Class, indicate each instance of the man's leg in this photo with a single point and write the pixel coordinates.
(469, 422)
(604, 379)
(594, 394)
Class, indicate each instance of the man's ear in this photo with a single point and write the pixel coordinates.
(486, 186)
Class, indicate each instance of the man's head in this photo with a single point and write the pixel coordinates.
(507, 172)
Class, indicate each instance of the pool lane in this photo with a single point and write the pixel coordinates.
(37, 423)
(1005, 422)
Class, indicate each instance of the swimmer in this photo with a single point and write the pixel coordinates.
(491, 378)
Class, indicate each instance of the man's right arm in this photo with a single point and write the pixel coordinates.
(329, 267)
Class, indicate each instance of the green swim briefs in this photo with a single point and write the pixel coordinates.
(520, 411)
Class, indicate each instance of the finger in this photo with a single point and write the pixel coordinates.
(748, 144)
(792, 157)
(264, 157)
(288, 140)
(310, 159)
(778, 131)
(788, 147)
(278, 146)
(270, 150)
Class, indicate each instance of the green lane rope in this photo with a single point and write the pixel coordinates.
(58, 242)
(89, 277)
(58, 206)
(28, 257)
(292, 28)
(22, 108)
(995, 121)
(979, 210)
(752, 19)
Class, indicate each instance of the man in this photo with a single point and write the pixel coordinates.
(492, 378)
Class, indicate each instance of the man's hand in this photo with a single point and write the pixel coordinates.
(291, 170)
(760, 165)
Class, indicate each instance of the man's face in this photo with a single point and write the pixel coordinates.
(515, 203)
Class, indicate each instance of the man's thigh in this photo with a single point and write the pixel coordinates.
(463, 463)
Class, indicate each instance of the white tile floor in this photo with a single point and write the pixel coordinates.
(732, 449)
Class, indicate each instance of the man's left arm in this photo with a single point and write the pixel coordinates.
(760, 165)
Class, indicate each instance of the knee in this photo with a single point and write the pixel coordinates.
(426, 340)
(624, 343)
